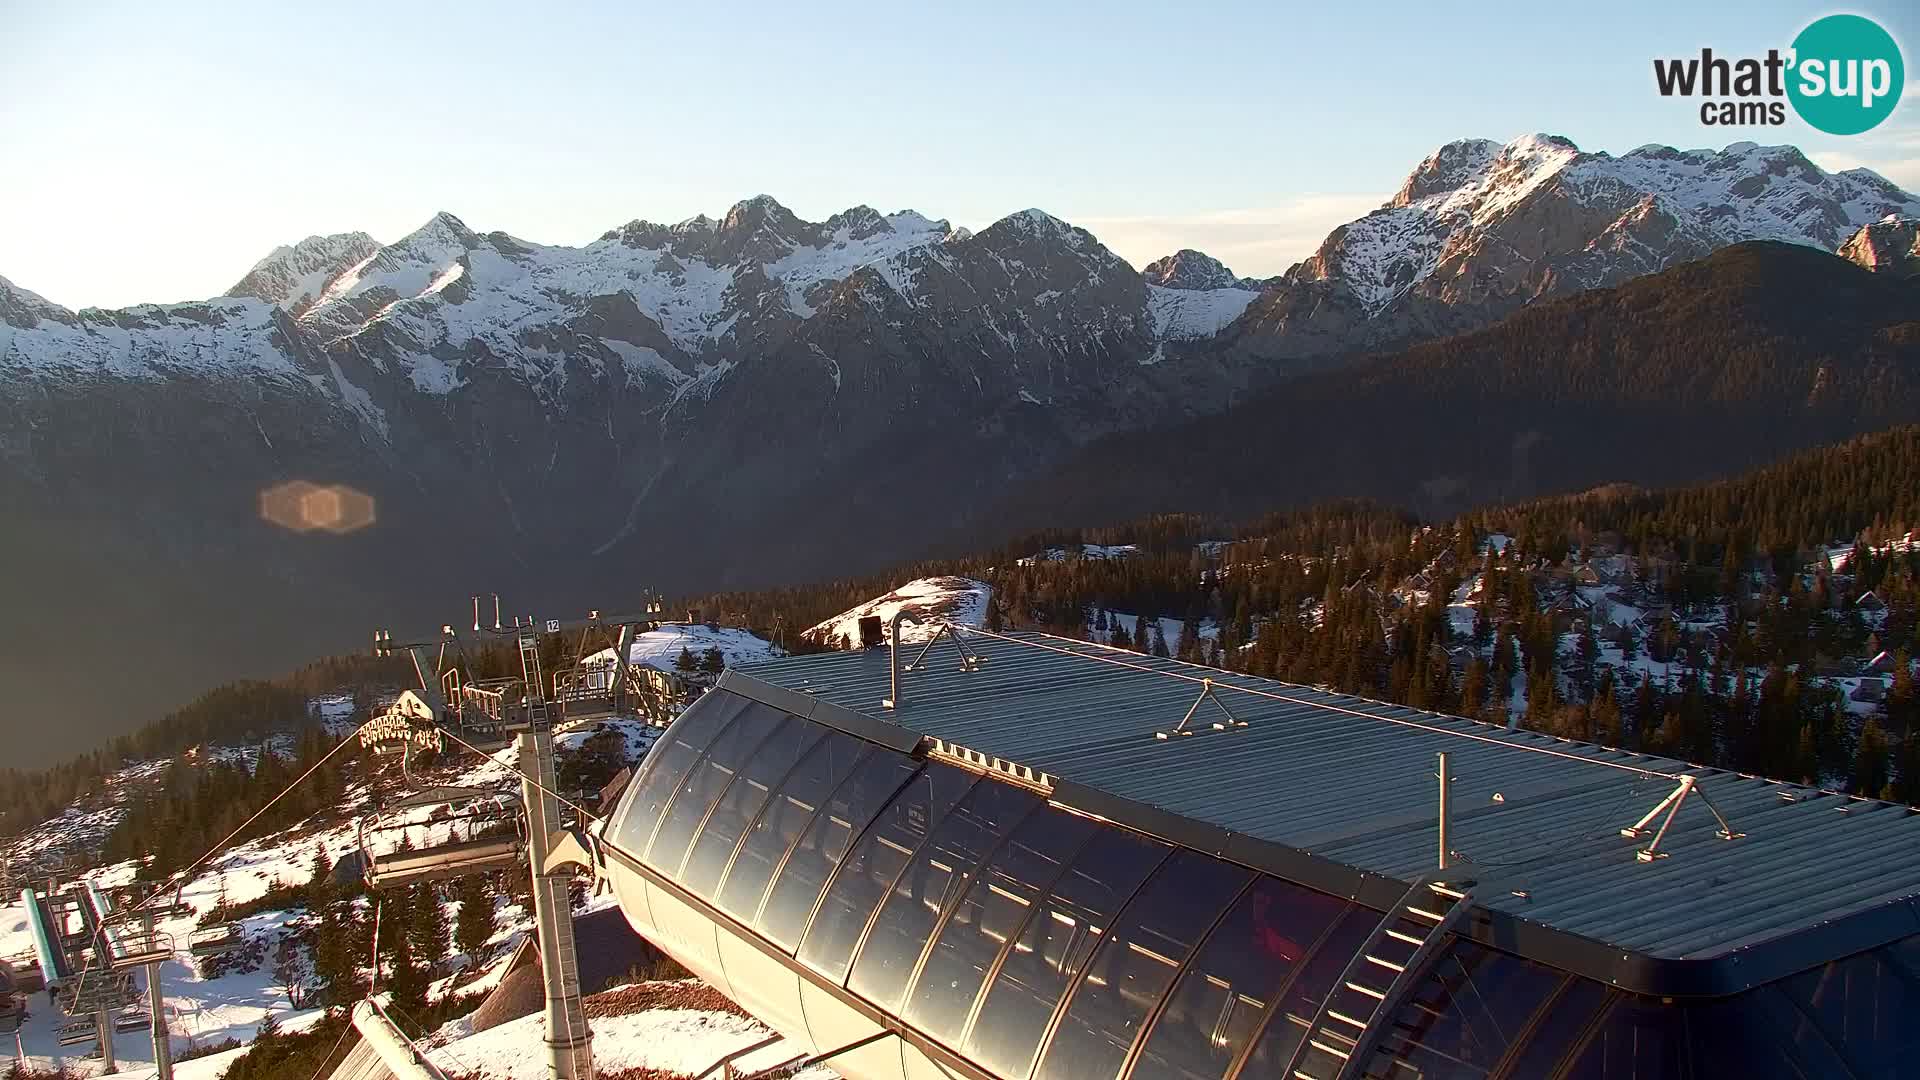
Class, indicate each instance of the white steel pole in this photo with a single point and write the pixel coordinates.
(569, 1039)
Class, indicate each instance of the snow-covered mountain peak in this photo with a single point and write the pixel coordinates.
(16, 301)
(293, 277)
(756, 206)
(425, 260)
(1190, 269)
(915, 221)
(1045, 247)
(1539, 145)
(442, 232)
(1446, 169)
(1033, 221)
(759, 229)
(1480, 223)
(860, 222)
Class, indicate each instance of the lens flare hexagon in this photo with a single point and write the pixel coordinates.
(303, 506)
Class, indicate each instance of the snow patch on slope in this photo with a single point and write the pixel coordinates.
(661, 648)
(677, 1041)
(953, 599)
(1180, 314)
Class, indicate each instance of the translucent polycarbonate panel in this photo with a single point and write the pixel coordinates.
(1299, 1001)
(1760, 1034)
(1213, 1013)
(787, 814)
(1137, 964)
(1062, 931)
(988, 917)
(705, 782)
(667, 763)
(1559, 1029)
(1638, 1039)
(796, 889)
(1867, 1005)
(868, 872)
(743, 801)
(939, 872)
(1463, 1016)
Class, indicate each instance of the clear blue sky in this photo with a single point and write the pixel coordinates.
(155, 151)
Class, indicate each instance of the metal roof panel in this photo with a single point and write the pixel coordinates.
(1351, 781)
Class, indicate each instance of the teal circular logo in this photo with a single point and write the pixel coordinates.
(1847, 74)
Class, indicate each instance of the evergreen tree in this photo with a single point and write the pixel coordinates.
(426, 924)
(1870, 760)
(475, 921)
(320, 876)
(1187, 646)
(335, 944)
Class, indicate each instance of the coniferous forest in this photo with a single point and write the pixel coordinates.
(1750, 625)
(1319, 596)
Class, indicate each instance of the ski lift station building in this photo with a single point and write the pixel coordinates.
(1029, 857)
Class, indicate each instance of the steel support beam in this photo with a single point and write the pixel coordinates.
(569, 1040)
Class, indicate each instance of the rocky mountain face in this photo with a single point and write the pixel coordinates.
(1889, 246)
(1688, 375)
(1195, 270)
(726, 401)
(292, 278)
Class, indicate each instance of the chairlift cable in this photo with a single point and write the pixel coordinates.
(100, 930)
(537, 786)
(328, 1056)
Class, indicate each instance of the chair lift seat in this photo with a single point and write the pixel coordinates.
(77, 1032)
(445, 861)
(133, 946)
(445, 793)
(216, 940)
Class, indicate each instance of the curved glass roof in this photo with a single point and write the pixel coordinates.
(1007, 928)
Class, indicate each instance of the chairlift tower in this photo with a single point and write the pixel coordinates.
(157, 1003)
(569, 1038)
(531, 719)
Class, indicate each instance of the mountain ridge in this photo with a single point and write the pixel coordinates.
(719, 402)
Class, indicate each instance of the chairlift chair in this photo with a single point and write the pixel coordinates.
(178, 907)
(76, 1032)
(456, 858)
(474, 854)
(454, 795)
(99, 989)
(216, 940)
(131, 945)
